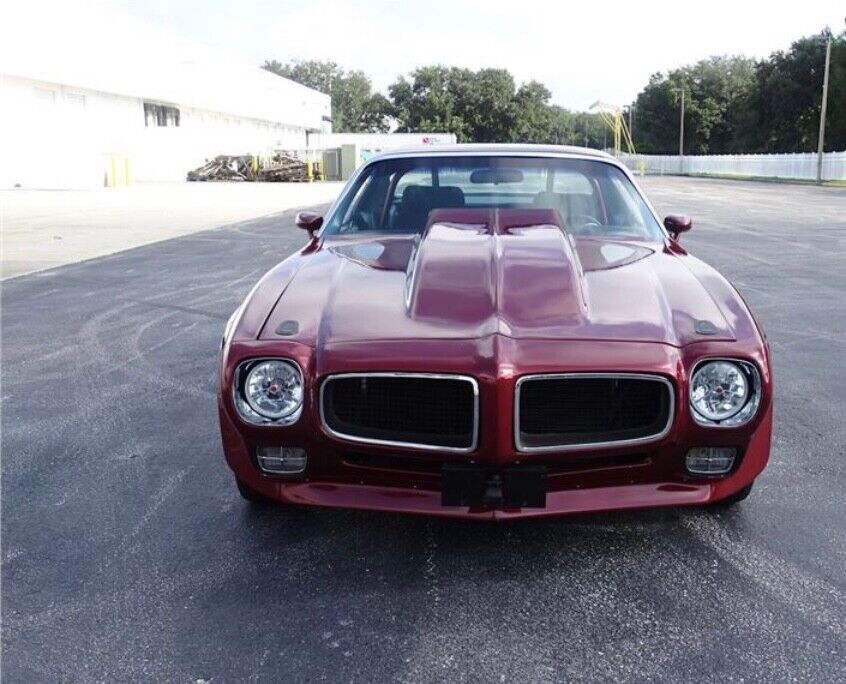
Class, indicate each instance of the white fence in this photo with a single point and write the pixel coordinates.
(801, 166)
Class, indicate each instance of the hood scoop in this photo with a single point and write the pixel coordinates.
(474, 273)
(514, 268)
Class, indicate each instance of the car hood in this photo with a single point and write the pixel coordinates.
(475, 273)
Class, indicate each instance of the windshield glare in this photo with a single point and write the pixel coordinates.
(592, 197)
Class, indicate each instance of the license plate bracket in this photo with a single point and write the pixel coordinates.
(463, 485)
(476, 486)
(524, 487)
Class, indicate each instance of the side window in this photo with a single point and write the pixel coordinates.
(363, 210)
(572, 184)
(421, 176)
(627, 212)
(579, 201)
(624, 210)
(354, 205)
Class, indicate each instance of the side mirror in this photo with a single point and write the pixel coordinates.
(676, 225)
(309, 221)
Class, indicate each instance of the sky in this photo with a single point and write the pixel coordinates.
(582, 51)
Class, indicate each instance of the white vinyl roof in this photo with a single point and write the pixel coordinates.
(98, 49)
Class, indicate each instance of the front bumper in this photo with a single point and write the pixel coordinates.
(603, 481)
(373, 477)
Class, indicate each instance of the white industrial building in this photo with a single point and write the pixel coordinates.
(97, 99)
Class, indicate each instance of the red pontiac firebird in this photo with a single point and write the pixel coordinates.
(491, 332)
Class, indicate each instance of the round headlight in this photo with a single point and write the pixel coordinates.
(274, 389)
(719, 390)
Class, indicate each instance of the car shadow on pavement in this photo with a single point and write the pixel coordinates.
(398, 543)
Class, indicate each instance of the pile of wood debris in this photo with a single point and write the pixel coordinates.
(279, 168)
(224, 168)
(283, 167)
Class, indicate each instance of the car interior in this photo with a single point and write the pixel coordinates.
(400, 201)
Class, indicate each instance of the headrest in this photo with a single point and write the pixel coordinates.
(415, 195)
(448, 196)
(422, 196)
(548, 199)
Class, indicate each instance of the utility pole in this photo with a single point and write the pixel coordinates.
(821, 141)
(681, 129)
(681, 134)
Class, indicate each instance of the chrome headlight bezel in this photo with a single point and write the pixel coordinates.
(242, 405)
(753, 398)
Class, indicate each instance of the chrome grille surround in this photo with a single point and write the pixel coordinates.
(522, 447)
(398, 443)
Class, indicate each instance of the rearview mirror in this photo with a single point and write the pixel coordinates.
(309, 221)
(677, 224)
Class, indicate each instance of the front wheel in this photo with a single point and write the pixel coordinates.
(735, 498)
(251, 495)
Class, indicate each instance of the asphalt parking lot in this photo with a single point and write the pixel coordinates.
(43, 229)
(128, 554)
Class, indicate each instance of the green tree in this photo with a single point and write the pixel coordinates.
(783, 108)
(535, 121)
(486, 106)
(355, 107)
(657, 113)
(737, 105)
(732, 104)
(428, 101)
(714, 88)
(486, 103)
(836, 113)
(477, 106)
(588, 130)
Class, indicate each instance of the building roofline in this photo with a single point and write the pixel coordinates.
(120, 55)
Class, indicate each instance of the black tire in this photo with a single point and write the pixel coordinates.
(251, 495)
(735, 498)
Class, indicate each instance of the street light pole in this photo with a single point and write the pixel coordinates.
(821, 140)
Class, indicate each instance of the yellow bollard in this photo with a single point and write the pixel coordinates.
(310, 170)
(127, 178)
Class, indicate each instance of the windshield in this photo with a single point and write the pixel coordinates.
(396, 195)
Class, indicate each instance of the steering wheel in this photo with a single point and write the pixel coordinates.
(585, 223)
(358, 223)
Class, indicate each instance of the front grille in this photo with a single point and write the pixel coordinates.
(416, 410)
(571, 411)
